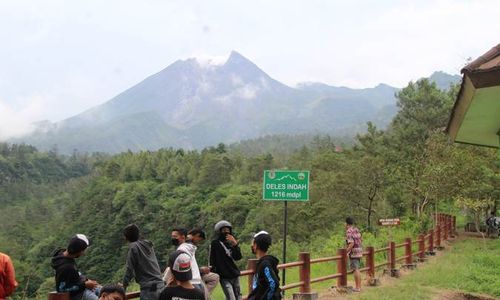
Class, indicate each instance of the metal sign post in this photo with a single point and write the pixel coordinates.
(285, 232)
(285, 185)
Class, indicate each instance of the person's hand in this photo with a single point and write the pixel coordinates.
(231, 239)
(91, 284)
(204, 270)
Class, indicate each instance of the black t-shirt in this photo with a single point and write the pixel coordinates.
(180, 293)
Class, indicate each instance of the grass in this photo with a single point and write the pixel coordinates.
(468, 266)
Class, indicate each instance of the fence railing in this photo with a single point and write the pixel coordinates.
(424, 245)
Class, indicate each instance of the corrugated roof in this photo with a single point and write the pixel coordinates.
(486, 62)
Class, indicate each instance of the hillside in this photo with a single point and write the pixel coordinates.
(193, 105)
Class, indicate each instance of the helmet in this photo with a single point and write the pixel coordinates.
(222, 224)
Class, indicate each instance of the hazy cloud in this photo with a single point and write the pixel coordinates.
(75, 55)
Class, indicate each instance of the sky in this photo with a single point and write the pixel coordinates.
(59, 58)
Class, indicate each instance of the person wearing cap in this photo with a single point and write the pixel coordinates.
(179, 263)
(8, 281)
(197, 236)
(265, 283)
(184, 243)
(224, 251)
(68, 278)
(142, 264)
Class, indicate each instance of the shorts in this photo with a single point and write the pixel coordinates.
(355, 263)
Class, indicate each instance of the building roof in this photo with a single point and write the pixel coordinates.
(475, 118)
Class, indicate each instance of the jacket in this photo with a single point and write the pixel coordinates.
(265, 285)
(222, 257)
(7, 276)
(142, 265)
(68, 278)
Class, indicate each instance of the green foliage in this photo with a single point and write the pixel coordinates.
(406, 171)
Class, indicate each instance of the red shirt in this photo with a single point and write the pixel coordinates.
(7, 276)
(354, 236)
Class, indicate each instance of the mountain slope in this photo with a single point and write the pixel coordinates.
(192, 105)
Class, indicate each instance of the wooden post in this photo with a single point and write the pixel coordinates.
(430, 247)
(305, 272)
(438, 237)
(421, 246)
(454, 221)
(58, 296)
(370, 261)
(251, 265)
(445, 229)
(342, 268)
(408, 254)
(392, 255)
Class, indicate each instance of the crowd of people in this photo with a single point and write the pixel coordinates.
(184, 278)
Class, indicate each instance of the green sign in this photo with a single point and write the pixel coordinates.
(284, 185)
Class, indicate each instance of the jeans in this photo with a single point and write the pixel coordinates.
(152, 291)
(231, 288)
(90, 294)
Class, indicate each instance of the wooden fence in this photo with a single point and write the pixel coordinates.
(418, 248)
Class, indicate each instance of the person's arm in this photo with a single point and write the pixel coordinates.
(212, 256)
(72, 282)
(350, 242)
(10, 274)
(129, 268)
(272, 282)
(236, 252)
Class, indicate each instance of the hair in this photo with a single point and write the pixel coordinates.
(131, 232)
(197, 231)
(111, 288)
(182, 231)
(76, 245)
(349, 220)
(263, 241)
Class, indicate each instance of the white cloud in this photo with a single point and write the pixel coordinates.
(81, 53)
(17, 122)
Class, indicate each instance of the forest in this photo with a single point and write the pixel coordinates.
(409, 170)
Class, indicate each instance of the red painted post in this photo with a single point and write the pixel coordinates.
(305, 272)
(408, 259)
(370, 261)
(445, 228)
(421, 246)
(392, 255)
(438, 237)
(251, 265)
(448, 225)
(342, 268)
(58, 296)
(431, 241)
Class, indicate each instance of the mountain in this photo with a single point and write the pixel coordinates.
(444, 80)
(191, 104)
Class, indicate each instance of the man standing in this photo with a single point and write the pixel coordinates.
(7, 276)
(68, 278)
(354, 250)
(224, 251)
(196, 237)
(265, 284)
(142, 265)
